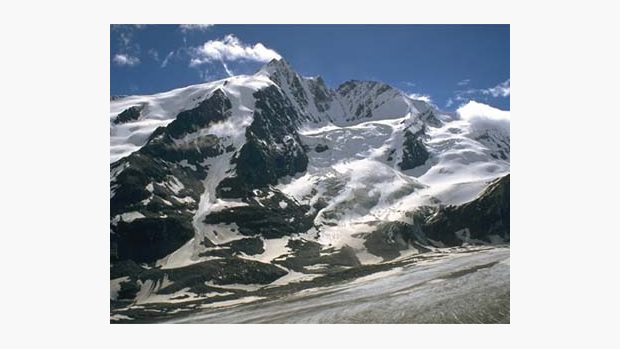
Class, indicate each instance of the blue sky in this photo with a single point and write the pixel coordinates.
(448, 64)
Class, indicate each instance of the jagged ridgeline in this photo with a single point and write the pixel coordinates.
(274, 178)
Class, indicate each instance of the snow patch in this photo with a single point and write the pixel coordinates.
(117, 317)
(186, 164)
(293, 277)
(185, 200)
(127, 217)
(232, 302)
(273, 248)
(115, 286)
(174, 184)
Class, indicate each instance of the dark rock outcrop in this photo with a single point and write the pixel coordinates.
(414, 150)
(153, 183)
(129, 114)
(486, 218)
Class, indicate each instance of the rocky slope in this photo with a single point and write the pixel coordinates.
(224, 188)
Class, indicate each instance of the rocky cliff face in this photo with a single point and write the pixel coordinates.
(275, 178)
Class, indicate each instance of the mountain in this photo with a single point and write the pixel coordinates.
(272, 179)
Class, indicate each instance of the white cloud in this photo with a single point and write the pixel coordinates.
(164, 63)
(230, 48)
(473, 109)
(449, 103)
(460, 97)
(126, 44)
(125, 59)
(501, 89)
(228, 71)
(154, 54)
(463, 82)
(205, 75)
(421, 97)
(198, 27)
(125, 39)
(126, 27)
(484, 117)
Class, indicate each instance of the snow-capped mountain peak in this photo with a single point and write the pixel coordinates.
(276, 66)
(352, 102)
(279, 174)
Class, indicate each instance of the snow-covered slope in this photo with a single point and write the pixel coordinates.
(274, 178)
(160, 109)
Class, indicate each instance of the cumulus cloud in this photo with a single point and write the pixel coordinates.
(230, 48)
(196, 27)
(484, 117)
(474, 109)
(125, 60)
(501, 89)
(421, 97)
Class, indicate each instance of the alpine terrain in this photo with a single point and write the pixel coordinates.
(273, 198)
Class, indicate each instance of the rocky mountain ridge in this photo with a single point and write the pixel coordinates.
(274, 179)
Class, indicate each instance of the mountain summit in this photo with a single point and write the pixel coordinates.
(274, 179)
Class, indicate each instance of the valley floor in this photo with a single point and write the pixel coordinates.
(463, 286)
